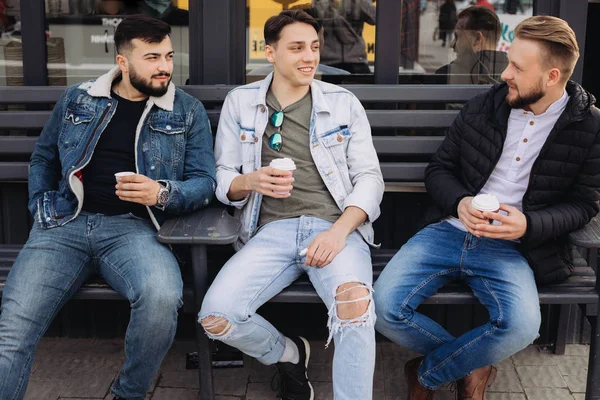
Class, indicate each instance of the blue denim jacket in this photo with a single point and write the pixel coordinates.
(173, 144)
(340, 144)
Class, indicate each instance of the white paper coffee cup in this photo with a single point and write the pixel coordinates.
(121, 174)
(486, 202)
(285, 164)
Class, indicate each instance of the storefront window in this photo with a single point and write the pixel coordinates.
(463, 42)
(348, 35)
(11, 54)
(80, 36)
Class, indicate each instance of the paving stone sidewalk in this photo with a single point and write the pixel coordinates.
(78, 369)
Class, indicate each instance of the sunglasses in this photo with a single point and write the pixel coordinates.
(276, 140)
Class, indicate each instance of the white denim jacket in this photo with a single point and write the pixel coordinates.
(340, 144)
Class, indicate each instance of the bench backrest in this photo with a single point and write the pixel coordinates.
(392, 110)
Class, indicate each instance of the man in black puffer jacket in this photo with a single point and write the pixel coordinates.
(534, 143)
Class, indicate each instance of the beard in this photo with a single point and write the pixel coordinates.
(527, 99)
(145, 86)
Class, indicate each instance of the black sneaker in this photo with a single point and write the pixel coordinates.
(291, 381)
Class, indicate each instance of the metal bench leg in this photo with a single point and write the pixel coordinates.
(564, 321)
(592, 391)
(200, 276)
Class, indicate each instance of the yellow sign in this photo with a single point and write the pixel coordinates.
(183, 4)
(261, 10)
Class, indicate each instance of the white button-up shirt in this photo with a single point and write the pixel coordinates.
(525, 137)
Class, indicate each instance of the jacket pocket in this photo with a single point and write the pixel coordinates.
(75, 126)
(168, 142)
(53, 209)
(248, 143)
(336, 142)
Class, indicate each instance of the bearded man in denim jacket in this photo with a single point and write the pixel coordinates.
(317, 222)
(131, 119)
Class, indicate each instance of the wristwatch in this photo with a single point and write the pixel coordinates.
(163, 195)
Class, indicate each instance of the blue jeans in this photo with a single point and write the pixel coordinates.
(51, 267)
(498, 275)
(267, 264)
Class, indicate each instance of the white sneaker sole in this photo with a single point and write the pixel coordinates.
(307, 352)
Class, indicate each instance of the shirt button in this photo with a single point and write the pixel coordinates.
(76, 119)
(525, 140)
(152, 168)
(531, 122)
(109, 104)
(518, 159)
(168, 127)
(255, 139)
(262, 109)
(340, 138)
(243, 137)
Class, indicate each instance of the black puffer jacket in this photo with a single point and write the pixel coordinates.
(562, 195)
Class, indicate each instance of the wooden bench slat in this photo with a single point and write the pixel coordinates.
(406, 145)
(377, 118)
(37, 119)
(411, 118)
(385, 145)
(17, 145)
(407, 172)
(14, 171)
(212, 93)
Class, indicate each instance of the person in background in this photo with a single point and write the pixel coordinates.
(343, 22)
(476, 37)
(447, 21)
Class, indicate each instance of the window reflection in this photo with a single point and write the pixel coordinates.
(80, 35)
(343, 23)
(347, 35)
(477, 33)
(11, 51)
(465, 42)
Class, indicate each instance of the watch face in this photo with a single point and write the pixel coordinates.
(163, 196)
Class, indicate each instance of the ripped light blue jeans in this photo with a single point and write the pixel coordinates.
(270, 262)
(500, 278)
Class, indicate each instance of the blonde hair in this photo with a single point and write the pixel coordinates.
(557, 39)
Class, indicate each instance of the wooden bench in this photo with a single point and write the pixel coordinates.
(403, 150)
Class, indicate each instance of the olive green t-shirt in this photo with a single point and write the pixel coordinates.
(310, 196)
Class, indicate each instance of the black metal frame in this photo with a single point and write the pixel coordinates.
(221, 58)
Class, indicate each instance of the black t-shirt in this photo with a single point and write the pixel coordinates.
(113, 153)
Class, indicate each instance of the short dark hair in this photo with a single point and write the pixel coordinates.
(149, 30)
(484, 20)
(276, 23)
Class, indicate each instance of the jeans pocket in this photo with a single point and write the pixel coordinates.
(131, 216)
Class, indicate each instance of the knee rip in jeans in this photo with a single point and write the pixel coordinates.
(352, 309)
(217, 326)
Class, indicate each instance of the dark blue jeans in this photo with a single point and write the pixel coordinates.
(53, 265)
(500, 278)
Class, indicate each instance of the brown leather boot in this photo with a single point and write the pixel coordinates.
(473, 386)
(411, 374)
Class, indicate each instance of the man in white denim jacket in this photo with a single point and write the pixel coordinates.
(319, 221)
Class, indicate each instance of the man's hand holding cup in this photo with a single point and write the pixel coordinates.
(275, 180)
(136, 188)
(469, 215)
(482, 217)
